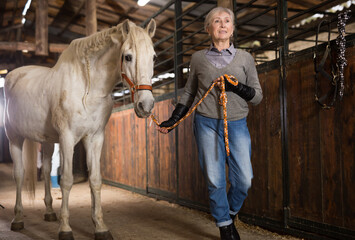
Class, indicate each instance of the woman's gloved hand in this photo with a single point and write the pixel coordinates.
(179, 112)
(244, 91)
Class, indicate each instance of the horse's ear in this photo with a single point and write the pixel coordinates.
(115, 37)
(125, 28)
(151, 28)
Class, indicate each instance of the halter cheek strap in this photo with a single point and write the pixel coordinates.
(133, 87)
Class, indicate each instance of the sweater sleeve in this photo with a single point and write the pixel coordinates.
(191, 85)
(253, 79)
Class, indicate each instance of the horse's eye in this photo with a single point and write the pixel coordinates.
(128, 58)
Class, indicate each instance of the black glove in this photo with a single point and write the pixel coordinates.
(179, 112)
(244, 91)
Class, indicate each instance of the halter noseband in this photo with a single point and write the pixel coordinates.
(133, 87)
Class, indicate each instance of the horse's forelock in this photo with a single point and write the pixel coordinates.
(139, 38)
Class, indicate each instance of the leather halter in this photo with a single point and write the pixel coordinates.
(319, 70)
(133, 87)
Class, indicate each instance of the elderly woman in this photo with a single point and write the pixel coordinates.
(206, 66)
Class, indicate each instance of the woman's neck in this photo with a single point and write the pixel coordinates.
(220, 45)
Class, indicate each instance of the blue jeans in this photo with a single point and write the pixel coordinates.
(213, 158)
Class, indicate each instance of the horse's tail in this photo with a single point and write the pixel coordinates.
(29, 153)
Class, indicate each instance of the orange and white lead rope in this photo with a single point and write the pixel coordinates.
(222, 101)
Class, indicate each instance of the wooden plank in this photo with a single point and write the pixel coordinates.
(304, 157)
(42, 27)
(125, 150)
(273, 142)
(192, 185)
(330, 160)
(31, 47)
(162, 153)
(17, 46)
(225, 3)
(257, 199)
(57, 47)
(346, 143)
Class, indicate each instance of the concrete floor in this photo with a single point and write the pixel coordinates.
(128, 215)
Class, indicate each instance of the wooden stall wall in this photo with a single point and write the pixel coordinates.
(321, 148)
(319, 152)
(124, 151)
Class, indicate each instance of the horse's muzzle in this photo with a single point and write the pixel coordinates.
(144, 105)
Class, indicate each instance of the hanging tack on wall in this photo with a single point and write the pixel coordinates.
(341, 46)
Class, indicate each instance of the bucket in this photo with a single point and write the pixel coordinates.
(55, 176)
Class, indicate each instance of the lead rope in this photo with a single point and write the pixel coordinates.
(222, 101)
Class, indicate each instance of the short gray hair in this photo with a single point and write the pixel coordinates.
(209, 16)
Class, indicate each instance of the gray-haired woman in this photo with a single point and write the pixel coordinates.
(206, 66)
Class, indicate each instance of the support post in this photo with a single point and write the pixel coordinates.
(42, 27)
(282, 26)
(225, 3)
(90, 17)
(179, 83)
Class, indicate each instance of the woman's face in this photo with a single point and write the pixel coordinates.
(221, 27)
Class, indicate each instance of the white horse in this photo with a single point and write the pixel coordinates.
(72, 102)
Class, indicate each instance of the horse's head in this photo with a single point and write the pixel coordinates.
(137, 64)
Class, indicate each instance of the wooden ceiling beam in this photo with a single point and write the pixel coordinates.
(6, 29)
(31, 47)
(225, 4)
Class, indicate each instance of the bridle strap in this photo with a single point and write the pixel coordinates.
(134, 88)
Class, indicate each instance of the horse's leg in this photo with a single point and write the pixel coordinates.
(15, 146)
(93, 147)
(66, 142)
(48, 149)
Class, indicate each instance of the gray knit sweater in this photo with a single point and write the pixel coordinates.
(202, 74)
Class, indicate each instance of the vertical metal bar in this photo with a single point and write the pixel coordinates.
(178, 58)
(178, 47)
(283, 49)
(276, 36)
(235, 33)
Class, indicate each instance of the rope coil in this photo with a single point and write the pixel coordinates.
(222, 101)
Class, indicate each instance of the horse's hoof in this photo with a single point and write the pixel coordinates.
(17, 226)
(103, 236)
(66, 236)
(50, 217)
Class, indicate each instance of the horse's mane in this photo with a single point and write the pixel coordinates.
(91, 44)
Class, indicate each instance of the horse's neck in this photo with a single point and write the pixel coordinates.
(101, 70)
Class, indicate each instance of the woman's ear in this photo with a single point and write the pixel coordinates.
(208, 31)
